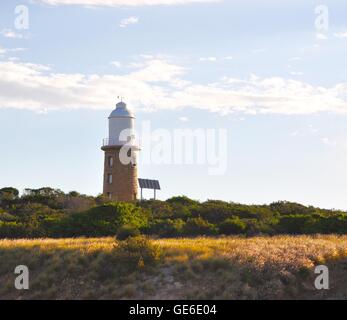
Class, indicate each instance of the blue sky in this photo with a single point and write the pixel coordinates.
(260, 69)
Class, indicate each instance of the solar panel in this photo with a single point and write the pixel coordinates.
(149, 184)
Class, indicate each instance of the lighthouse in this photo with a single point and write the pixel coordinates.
(120, 170)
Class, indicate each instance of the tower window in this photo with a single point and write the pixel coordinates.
(110, 162)
(109, 195)
(109, 178)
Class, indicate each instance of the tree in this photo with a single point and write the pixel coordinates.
(8, 195)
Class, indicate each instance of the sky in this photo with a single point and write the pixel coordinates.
(270, 74)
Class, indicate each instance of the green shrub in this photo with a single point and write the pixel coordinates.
(8, 196)
(167, 227)
(6, 217)
(12, 230)
(104, 220)
(199, 227)
(291, 208)
(127, 231)
(232, 226)
(182, 200)
(159, 209)
(216, 211)
(296, 224)
(256, 227)
(47, 212)
(138, 252)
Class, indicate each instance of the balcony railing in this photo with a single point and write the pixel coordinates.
(107, 142)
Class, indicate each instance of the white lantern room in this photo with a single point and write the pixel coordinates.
(121, 126)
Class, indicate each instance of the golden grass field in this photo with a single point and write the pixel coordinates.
(280, 267)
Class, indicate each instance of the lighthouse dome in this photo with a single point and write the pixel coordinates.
(120, 123)
(121, 111)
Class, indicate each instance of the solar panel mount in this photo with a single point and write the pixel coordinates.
(149, 184)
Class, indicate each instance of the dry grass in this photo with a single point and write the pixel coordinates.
(205, 268)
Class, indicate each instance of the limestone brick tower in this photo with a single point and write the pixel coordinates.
(120, 170)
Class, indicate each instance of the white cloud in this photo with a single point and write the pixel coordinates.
(329, 142)
(13, 59)
(294, 133)
(116, 64)
(321, 36)
(117, 3)
(209, 59)
(131, 20)
(296, 73)
(146, 56)
(6, 50)
(8, 33)
(340, 34)
(183, 119)
(159, 84)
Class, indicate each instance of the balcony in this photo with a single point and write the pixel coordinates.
(109, 143)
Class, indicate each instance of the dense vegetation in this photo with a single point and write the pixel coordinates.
(48, 212)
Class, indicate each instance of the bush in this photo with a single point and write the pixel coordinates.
(296, 224)
(216, 211)
(8, 195)
(167, 227)
(232, 226)
(48, 212)
(6, 217)
(256, 227)
(199, 226)
(336, 224)
(138, 252)
(127, 231)
(291, 208)
(12, 230)
(104, 220)
(159, 209)
(182, 200)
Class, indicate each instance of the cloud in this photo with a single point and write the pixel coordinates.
(159, 84)
(116, 64)
(118, 3)
(329, 142)
(209, 59)
(321, 36)
(294, 133)
(13, 59)
(296, 73)
(8, 33)
(131, 20)
(183, 119)
(146, 56)
(6, 50)
(340, 34)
